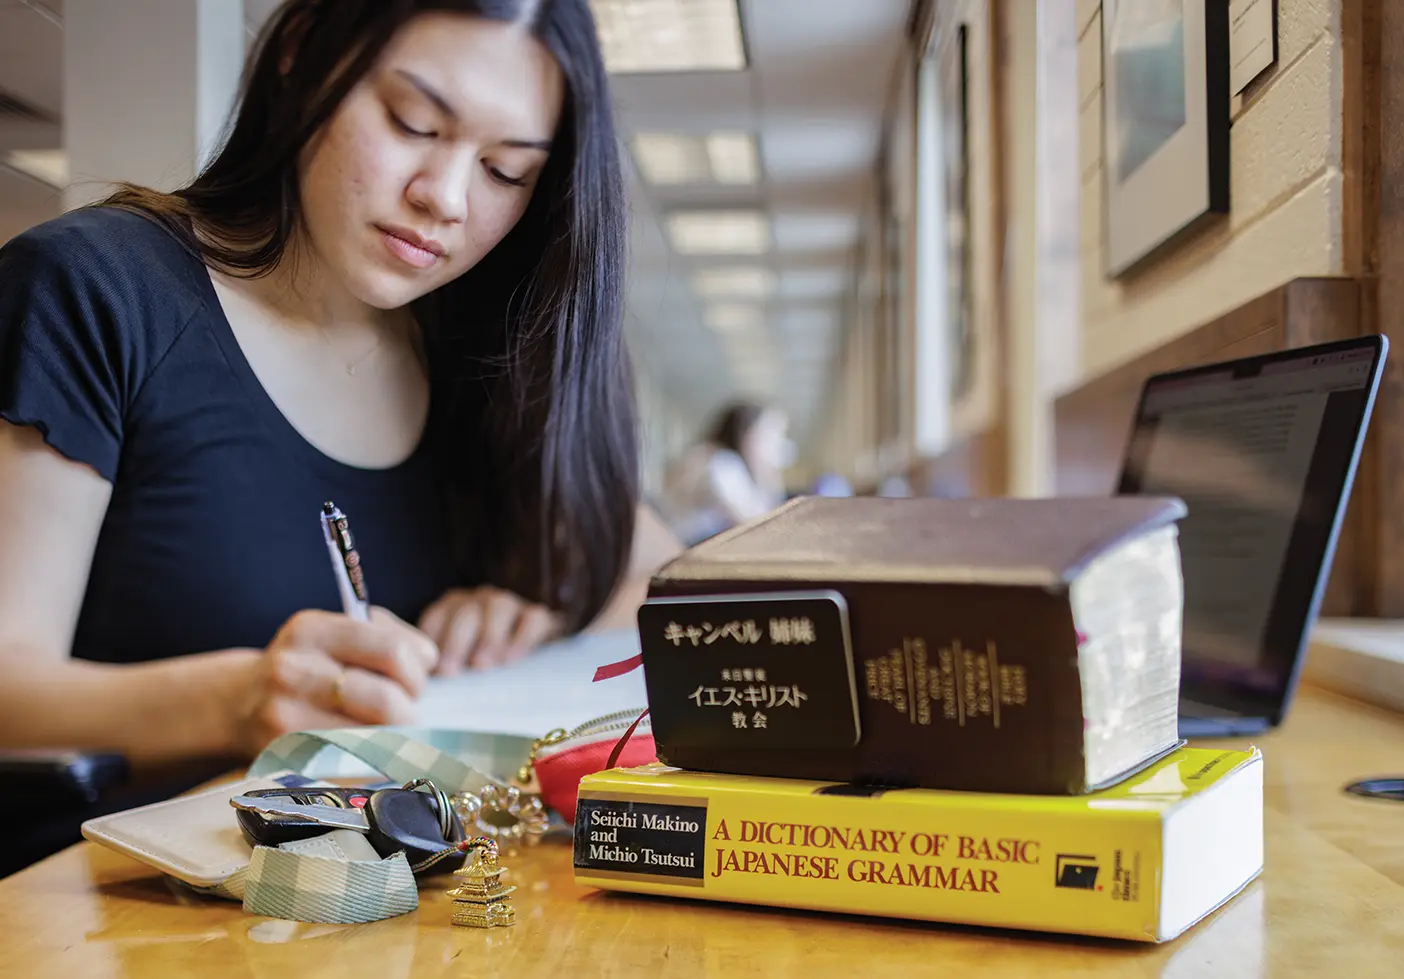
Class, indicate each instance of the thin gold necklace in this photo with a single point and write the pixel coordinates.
(351, 367)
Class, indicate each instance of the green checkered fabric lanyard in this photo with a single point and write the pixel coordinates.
(318, 883)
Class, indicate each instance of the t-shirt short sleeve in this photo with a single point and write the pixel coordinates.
(67, 348)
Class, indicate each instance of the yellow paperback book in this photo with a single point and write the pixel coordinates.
(1143, 860)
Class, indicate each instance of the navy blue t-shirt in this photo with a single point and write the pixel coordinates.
(114, 345)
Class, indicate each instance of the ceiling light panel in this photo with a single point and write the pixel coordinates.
(814, 283)
(668, 159)
(750, 353)
(669, 35)
(46, 166)
(735, 282)
(719, 232)
(730, 319)
(733, 158)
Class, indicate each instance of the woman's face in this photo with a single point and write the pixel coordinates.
(767, 443)
(432, 158)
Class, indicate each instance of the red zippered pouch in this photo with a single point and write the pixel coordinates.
(562, 758)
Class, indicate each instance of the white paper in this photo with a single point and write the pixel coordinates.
(1251, 47)
(548, 689)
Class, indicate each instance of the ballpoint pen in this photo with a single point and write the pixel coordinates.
(346, 563)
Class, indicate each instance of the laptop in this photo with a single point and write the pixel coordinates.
(1264, 451)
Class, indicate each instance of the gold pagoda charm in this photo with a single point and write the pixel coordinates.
(478, 902)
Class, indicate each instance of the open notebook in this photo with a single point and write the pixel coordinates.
(548, 689)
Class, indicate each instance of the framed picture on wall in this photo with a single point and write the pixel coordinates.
(1165, 122)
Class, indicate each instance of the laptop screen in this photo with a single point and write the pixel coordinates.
(1263, 452)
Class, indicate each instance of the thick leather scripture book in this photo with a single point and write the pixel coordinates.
(1143, 860)
(1001, 645)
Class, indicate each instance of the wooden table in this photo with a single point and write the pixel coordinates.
(1329, 904)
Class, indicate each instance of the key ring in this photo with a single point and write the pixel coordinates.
(441, 804)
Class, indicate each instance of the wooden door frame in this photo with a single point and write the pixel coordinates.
(1372, 158)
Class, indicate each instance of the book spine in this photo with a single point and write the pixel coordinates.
(968, 687)
(995, 864)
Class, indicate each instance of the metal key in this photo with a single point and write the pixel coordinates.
(272, 817)
(422, 824)
(297, 815)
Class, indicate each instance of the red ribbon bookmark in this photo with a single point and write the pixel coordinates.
(611, 670)
(619, 745)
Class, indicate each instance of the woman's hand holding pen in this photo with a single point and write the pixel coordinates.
(482, 627)
(367, 666)
(324, 669)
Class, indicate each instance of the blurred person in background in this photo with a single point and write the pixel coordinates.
(398, 286)
(736, 474)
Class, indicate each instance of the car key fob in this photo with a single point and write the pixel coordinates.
(421, 824)
(404, 819)
(264, 828)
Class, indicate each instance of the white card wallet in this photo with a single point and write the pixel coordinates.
(194, 838)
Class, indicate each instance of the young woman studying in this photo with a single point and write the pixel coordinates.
(397, 287)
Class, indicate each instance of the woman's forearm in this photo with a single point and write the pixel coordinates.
(623, 607)
(153, 713)
(655, 545)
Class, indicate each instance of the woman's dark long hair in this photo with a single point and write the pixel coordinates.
(527, 354)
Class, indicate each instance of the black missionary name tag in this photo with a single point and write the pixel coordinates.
(769, 671)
